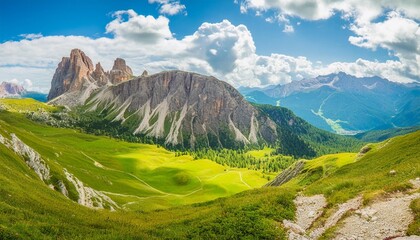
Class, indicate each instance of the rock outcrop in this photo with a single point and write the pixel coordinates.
(287, 174)
(75, 78)
(71, 74)
(120, 72)
(32, 158)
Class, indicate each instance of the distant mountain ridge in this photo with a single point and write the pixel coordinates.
(346, 104)
(13, 90)
(8, 89)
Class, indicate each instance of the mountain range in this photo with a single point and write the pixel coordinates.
(13, 90)
(177, 108)
(345, 104)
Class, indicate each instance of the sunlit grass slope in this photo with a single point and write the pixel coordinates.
(136, 176)
(23, 105)
(31, 210)
(343, 176)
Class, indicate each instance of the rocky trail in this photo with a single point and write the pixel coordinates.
(385, 218)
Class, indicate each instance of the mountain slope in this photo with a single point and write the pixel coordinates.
(102, 173)
(300, 139)
(324, 102)
(174, 108)
(32, 210)
(184, 108)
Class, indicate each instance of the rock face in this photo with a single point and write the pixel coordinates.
(8, 89)
(71, 74)
(120, 71)
(287, 174)
(76, 76)
(185, 108)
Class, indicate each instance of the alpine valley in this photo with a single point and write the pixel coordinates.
(180, 155)
(345, 104)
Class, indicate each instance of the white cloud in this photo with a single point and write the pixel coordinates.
(220, 49)
(398, 32)
(139, 28)
(170, 7)
(288, 29)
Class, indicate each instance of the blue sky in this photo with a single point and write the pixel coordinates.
(320, 37)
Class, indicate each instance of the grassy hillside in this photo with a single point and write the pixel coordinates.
(142, 177)
(343, 176)
(136, 176)
(381, 135)
(31, 210)
(300, 139)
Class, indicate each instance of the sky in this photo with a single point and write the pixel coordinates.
(243, 42)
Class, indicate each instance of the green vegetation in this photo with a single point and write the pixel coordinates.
(31, 210)
(24, 105)
(343, 176)
(180, 195)
(381, 135)
(302, 140)
(136, 176)
(414, 228)
(264, 159)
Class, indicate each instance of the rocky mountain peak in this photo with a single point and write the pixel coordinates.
(144, 74)
(71, 74)
(77, 75)
(186, 108)
(120, 71)
(100, 75)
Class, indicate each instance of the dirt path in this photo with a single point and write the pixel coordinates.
(308, 209)
(383, 219)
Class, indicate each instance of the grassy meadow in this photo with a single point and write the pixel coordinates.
(165, 196)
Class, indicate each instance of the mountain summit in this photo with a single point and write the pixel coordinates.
(75, 78)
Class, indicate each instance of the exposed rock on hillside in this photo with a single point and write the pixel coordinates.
(287, 174)
(31, 157)
(181, 106)
(89, 197)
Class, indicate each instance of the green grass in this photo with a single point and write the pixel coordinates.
(23, 105)
(343, 176)
(31, 210)
(137, 176)
(175, 197)
(414, 228)
(265, 152)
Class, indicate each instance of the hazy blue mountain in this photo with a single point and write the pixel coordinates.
(346, 104)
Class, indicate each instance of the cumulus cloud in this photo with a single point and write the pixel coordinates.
(398, 32)
(170, 7)
(222, 49)
(146, 29)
